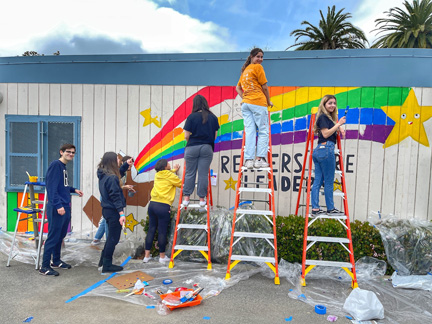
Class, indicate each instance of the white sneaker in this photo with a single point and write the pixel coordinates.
(145, 260)
(260, 164)
(185, 203)
(163, 260)
(202, 203)
(249, 164)
(95, 242)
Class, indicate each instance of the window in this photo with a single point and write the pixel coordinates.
(33, 142)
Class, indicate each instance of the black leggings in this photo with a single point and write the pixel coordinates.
(114, 230)
(160, 218)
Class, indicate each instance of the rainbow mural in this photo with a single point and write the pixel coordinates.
(378, 114)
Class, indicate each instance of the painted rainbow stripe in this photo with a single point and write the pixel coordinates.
(290, 118)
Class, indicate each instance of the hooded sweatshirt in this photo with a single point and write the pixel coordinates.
(111, 192)
(164, 188)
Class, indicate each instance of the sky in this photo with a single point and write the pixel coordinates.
(168, 26)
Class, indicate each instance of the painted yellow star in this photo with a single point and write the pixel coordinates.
(337, 185)
(409, 119)
(148, 119)
(131, 222)
(230, 183)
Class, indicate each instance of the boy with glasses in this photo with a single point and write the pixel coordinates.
(58, 210)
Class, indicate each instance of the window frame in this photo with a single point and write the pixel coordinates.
(42, 146)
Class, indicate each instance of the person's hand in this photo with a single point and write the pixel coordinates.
(176, 167)
(61, 211)
(130, 161)
(342, 121)
(122, 220)
(129, 187)
(342, 131)
(270, 104)
(79, 192)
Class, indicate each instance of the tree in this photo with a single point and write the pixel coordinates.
(406, 29)
(333, 32)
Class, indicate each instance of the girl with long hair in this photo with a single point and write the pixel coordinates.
(200, 133)
(252, 88)
(113, 203)
(326, 126)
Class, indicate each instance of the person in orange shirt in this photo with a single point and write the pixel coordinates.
(252, 88)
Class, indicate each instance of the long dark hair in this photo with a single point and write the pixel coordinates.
(109, 164)
(253, 53)
(200, 104)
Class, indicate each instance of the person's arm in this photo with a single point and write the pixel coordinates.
(239, 90)
(115, 194)
(187, 134)
(175, 168)
(53, 176)
(327, 132)
(267, 94)
(175, 181)
(124, 167)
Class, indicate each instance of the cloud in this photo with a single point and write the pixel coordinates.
(368, 11)
(83, 25)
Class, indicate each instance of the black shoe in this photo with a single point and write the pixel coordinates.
(61, 265)
(109, 267)
(317, 212)
(47, 271)
(335, 212)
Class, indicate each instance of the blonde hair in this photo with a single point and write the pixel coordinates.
(322, 110)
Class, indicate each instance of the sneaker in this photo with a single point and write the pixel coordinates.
(202, 203)
(335, 212)
(260, 164)
(61, 265)
(47, 271)
(185, 203)
(95, 242)
(145, 260)
(249, 164)
(163, 260)
(317, 212)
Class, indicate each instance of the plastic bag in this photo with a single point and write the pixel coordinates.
(363, 305)
(412, 282)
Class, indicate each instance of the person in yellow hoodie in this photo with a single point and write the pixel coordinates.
(162, 197)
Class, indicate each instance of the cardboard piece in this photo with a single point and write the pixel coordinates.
(128, 280)
(93, 210)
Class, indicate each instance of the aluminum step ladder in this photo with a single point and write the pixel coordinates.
(203, 249)
(344, 220)
(31, 209)
(237, 237)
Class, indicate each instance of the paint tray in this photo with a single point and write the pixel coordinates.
(194, 302)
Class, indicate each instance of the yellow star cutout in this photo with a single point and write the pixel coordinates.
(148, 118)
(337, 185)
(409, 119)
(230, 183)
(131, 222)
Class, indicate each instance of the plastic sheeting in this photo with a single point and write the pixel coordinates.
(407, 242)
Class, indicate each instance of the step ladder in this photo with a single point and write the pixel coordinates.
(344, 220)
(203, 249)
(32, 209)
(240, 212)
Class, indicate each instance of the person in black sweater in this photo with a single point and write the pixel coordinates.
(58, 210)
(113, 203)
(200, 133)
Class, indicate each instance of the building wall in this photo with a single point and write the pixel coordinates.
(387, 152)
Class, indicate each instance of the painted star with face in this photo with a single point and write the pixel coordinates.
(409, 119)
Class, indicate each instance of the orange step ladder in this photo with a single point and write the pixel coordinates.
(234, 259)
(203, 249)
(308, 265)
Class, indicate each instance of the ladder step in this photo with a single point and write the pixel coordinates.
(255, 200)
(191, 247)
(192, 226)
(243, 189)
(194, 206)
(328, 239)
(329, 263)
(255, 169)
(38, 202)
(252, 258)
(25, 210)
(254, 235)
(254, 212)
(255, 183)
(325, 216)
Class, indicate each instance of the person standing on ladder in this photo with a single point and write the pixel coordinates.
(58, 210)
(252, 88)
(326, 126)
(200, 129)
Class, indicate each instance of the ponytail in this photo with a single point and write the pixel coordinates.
(254, 52)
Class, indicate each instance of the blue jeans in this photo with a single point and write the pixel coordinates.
(102, 229)
(255, 117)
(57, 230)
(325, 166)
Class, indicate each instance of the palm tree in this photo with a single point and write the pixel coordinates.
(407, 29)
(333, 32)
